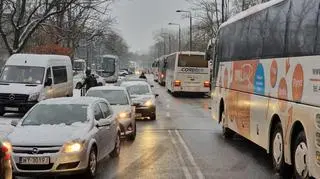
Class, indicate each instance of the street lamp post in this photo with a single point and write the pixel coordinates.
(179, 33)
(190, 16)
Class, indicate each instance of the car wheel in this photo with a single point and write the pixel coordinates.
(226, 132)
(92, 164)
(277, 149)
(116, 151)
(132, 136)
(100, 84)
(300, 157)
(78, 86)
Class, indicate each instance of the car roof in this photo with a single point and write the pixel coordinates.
(72, 100)
(130, 83)
(110, 87)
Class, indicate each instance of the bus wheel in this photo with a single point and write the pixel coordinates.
(226, 132)
(300, 157)
(277, 147)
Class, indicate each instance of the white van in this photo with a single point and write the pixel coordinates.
(27, 79)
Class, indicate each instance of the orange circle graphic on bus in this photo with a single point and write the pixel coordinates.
(273, 73)
(225, 80)
(283, 94)
(297, 83)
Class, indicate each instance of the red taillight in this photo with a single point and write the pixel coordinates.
(4, 149)
(177, 83)
(206, 84)
(7, 156)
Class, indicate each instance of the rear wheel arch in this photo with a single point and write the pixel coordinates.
(221, 109)
(297, 127)
(274, 121)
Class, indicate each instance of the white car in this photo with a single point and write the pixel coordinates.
(64, 136)
(143, 98)
(120, 102)
(78, 80)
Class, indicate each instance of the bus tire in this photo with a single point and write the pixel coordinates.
(277, 150)
(300, 156)
(226, 132)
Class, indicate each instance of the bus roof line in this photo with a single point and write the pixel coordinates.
(250, 11)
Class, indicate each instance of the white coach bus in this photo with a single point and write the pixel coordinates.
(187, 72)
(267, 82)
(110, 67)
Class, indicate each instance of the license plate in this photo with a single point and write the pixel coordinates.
(11, 109)
(35, 160)
(138, 115)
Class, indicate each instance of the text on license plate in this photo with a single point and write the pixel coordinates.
(35, 160)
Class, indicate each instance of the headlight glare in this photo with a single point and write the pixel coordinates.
(72, 147)
(148, 103)
(124, 115)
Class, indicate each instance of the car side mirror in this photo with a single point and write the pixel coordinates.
(14, 123)
(152, 86)
(48, 82)
(156, 95)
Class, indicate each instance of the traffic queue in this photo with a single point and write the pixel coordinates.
(60, 134)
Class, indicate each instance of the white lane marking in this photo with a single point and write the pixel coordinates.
(190, 157)
(184, 167)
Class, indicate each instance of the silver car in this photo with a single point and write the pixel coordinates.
(119, 100)
(64, 136)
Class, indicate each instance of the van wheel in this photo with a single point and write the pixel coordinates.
(300, 157)
(132, 136)
(226, 132)
(99, 84)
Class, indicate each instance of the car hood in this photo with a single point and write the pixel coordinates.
(18, 88)
(141, 98)
(120, 108)
(47, 135)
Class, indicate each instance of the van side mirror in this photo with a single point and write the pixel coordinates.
(48, 82)
(14, 123)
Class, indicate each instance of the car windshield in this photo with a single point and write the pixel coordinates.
(114, 97)
(54, 114)
(22, 74)
(138, 89)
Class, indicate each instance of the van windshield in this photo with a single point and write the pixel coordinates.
(22, 74)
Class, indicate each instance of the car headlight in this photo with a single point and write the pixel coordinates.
(7, 145)
(33, 97)
(148, 103)
(123, 115)
(73, 147)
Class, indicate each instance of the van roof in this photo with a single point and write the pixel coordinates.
(35, 59)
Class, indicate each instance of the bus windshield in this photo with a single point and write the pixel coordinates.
(192, 61)
(108, 65)
(79, 66)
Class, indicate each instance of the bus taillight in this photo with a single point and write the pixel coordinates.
(177, 83)
(206, 84)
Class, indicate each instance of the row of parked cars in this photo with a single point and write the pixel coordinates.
(71, 135)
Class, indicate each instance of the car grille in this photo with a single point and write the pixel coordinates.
(35, 150)
(13, 97)
(35, 167)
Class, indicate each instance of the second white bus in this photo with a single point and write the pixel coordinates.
(187, 72)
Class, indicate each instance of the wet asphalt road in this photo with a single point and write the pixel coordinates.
(184, 142)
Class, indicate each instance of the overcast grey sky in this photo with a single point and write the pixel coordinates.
(138, 19)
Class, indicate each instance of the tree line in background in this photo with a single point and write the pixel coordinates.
(207, 17)
(66, 27)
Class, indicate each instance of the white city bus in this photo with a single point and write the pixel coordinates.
(79, 66)
(267, 82)
(187, 72)
(110, 67)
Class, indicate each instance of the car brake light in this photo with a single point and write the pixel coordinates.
(206, 84)
(162, 75)
(177, 83)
